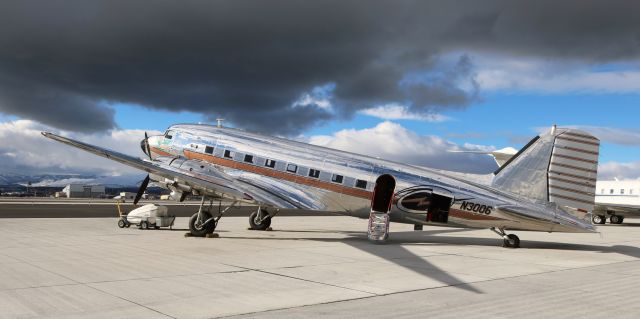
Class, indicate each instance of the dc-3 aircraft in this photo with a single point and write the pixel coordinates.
(547, 186)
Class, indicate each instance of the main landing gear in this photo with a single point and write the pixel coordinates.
(601, 219)
(203, 223)
(509, 240)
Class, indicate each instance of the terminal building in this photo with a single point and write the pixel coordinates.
(84, 191)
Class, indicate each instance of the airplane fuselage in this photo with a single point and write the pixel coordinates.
(317, 178)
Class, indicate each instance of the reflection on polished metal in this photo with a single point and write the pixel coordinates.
(547, 186)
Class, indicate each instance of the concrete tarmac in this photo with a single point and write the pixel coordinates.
(311, 267)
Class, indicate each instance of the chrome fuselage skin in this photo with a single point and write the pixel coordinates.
(310, 177)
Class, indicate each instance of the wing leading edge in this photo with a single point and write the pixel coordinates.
(214, 179)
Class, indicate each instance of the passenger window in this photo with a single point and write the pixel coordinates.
(621, 191)
(361, 184)
(337, 178)
(292, 168)
(208, 149)
(314, 173)
(248, 158)
(270, 163)
(611, 191)
(631, 191)
(228, 154)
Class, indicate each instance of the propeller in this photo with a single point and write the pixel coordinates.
(145, 145)
(141, 190)
(147, 149)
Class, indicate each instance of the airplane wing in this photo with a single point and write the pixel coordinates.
(239, 186)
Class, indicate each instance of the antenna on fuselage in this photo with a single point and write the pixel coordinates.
(219, 120)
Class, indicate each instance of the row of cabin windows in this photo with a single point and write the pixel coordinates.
(291, 168)
(612, 191)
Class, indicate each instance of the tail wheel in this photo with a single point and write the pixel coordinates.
(512, 242)
(260, 221)
(198, 228)
(121, 223)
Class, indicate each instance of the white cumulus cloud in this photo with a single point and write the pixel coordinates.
(401, 112)
(616, 170)
(520, 74)
(392, 141)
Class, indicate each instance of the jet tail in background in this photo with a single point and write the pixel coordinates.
(559, 166)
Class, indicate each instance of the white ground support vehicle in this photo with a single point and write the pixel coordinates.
(146, 217)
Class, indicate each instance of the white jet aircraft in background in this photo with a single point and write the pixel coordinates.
(547, 186)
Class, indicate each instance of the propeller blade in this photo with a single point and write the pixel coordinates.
(143, 187)
(146, 145)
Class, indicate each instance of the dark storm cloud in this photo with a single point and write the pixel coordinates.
(249, 61)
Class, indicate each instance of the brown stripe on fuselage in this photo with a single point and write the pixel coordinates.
(265, 171)
(159, 151)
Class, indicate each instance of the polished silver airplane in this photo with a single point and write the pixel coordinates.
(547, 186)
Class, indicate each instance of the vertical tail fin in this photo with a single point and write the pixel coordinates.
(559, 167)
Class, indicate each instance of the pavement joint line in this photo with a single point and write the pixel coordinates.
(131, 301)
(415, 290)
(305, 280)
(88, 285)
(77, 283)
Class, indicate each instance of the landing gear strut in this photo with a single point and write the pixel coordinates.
(509, 240)
(202, 222)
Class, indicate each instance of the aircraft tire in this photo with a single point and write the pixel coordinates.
(259, 226)
(515, 244)
(201, 231)
(615, 219)
(121, 223)
(144, 225)
(598, 219)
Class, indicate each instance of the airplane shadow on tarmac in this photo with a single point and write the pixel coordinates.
(391, 251)
(394, 250)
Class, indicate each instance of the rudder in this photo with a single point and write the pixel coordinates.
(559, 167)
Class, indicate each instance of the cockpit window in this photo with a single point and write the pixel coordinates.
(168, 135)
